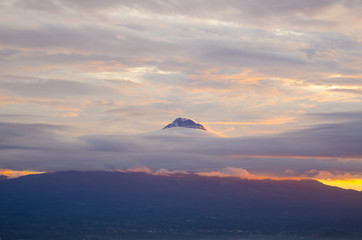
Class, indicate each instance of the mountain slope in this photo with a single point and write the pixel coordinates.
(111, 204)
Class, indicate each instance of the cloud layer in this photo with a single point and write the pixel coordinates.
(324, 151)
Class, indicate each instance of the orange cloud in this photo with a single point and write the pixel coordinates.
(68, 109)
(345, 180)
(10, 100)
(166, 172)
(15, 173)
(243, 174)
(70, 115)
(139, 169)
(228, 172)
(272, 121)
(341, 180)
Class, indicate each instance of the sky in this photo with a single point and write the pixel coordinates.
(89, 84)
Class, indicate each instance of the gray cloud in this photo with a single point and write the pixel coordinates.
(7, 52)
(341, 81)
(345, 116)
(327, 147)
(346, 90)
(92, 38)
(47, 6)
(29, 136)
(274, 12)
(55, 35)
(51, 88)
(206, 46)
(208, 7)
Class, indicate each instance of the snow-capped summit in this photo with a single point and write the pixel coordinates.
(185, 123)
(182, 128)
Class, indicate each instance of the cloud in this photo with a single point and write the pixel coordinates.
(8, 173)
(227, 172)
(344, 116)
(62, 36)
(285, 74)
(51, 88)
(7, 53)
(327, 147)
(163, 171)
(346, 90)
(275, 13)
(29, 136)
(208, 8)
(47, 6)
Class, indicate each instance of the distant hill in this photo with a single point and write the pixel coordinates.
(113, 205)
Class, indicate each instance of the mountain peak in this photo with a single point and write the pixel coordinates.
(186, 123)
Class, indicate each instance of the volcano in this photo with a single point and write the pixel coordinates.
(185, 123)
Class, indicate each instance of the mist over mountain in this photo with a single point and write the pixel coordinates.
(109, 205)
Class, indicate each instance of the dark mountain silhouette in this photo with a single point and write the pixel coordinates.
(185, 123)
(113, 205)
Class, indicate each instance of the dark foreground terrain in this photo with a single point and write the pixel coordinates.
(112, 205)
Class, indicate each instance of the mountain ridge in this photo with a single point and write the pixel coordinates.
(74, 204)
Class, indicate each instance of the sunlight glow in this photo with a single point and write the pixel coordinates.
(355, 184)
(15, 173)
